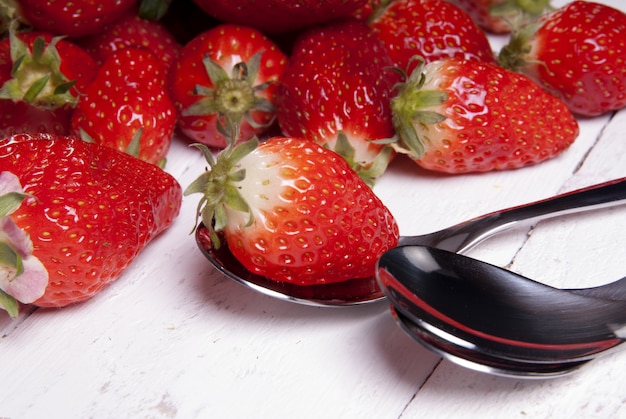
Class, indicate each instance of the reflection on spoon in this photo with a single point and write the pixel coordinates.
(352, 292)
(479, 361)
(498, 313)
(458, 238)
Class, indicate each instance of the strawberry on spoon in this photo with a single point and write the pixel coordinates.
(293, 211)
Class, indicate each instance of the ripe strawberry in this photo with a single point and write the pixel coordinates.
(72, 18)
(132, 31)
(577, 53)
(337, 83)
(501, 16)
(279, 16)
(293, 211)
(433, 29)
(459, 116)
(90, 210)
(41, 77)
(227, 72)
(128, 98)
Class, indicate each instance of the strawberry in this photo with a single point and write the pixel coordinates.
(337, 85)
(433, 29)
(42, 78)
(279, 16)
(132, 31)
(72, 18)
(227, 72)
(460, 116)
(501, 16)
(577, 53)
(128, 100)
(294, 211)
(88, 211)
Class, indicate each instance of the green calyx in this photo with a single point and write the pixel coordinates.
(8, 14)
(153, 9)
(532, 9)
(10, 201)
(513, 55)
(410, 108)
(378, 9)
(216, 185)
(9, 303)
(233, 96)
(519, 13)
(36, 75)
(368, 171)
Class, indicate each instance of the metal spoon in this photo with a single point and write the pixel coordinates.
(458, 238)
(497, 313)
(479, 361)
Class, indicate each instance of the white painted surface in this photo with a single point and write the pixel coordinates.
(172, 338)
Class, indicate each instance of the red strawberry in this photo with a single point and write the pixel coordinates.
(433, 29)
(228, 71)
(293, 211)
(501, 16)
(459, 116)
(279, 16)
(90, 211)
(132, 31)
(337, 82)
(73, 18)
(577, 53)
(129, 98)
(41, 78)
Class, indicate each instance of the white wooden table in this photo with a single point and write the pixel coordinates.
(173, 338)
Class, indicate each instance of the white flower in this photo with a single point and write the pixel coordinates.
(22, 275)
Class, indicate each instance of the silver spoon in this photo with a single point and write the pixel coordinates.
(497, 313)
(479, 361)
(458, 238)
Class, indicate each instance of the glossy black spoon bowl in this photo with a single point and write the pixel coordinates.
(479, 361)
(497, 313)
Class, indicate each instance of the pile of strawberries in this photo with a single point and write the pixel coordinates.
(366, 81)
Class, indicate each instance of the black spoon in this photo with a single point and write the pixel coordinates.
(487, 309)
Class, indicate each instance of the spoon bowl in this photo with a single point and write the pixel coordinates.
(484, 308)
(479, 361)
(458, 238)
(337, 294)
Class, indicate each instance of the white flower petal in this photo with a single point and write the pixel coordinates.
(16, 237)
(28, 286)
(9, 183)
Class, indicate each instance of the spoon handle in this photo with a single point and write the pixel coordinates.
(463, 236)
